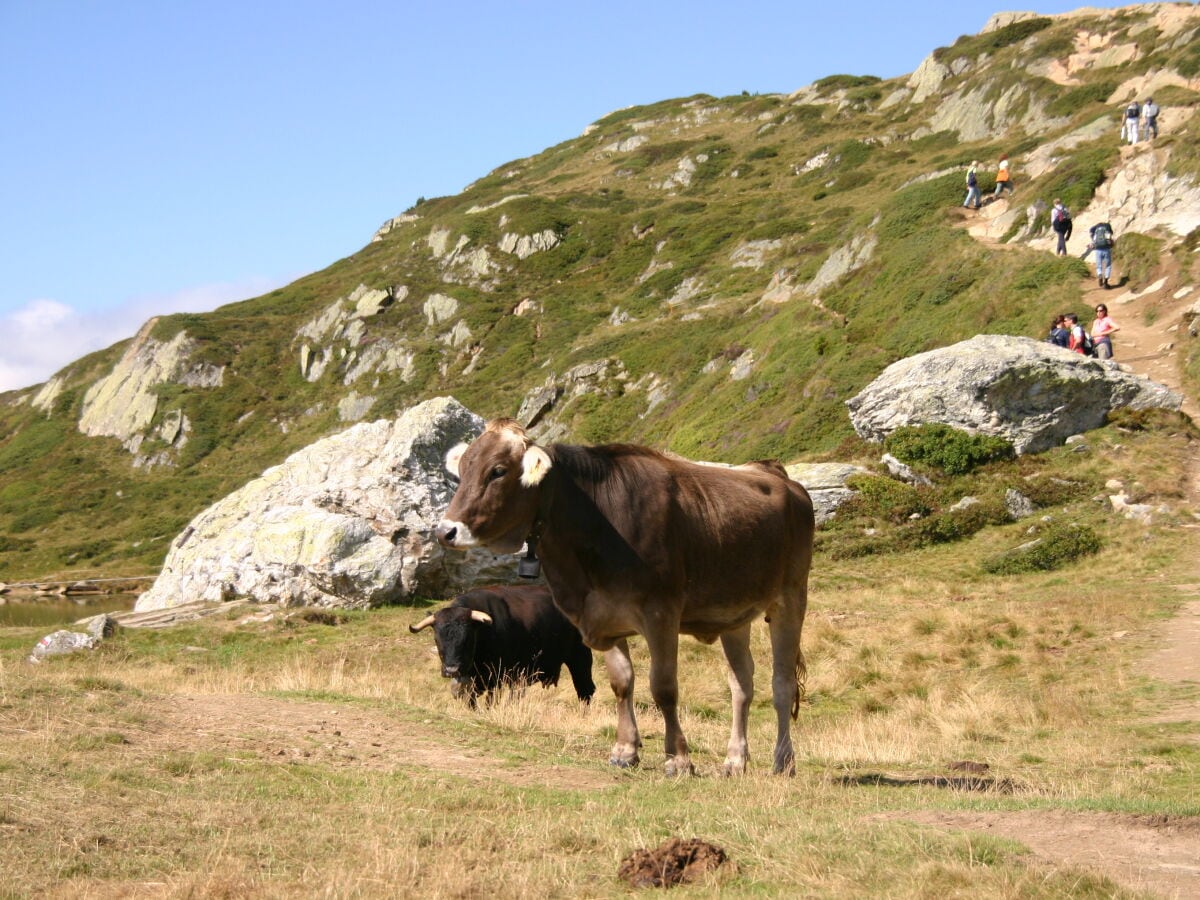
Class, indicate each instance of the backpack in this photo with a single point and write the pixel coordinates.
(1133, 111)
(1062, 221)
(1089, 346)
(1102, 238)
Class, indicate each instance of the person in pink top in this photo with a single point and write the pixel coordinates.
(1102, 329)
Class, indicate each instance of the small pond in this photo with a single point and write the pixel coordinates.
(59, 612)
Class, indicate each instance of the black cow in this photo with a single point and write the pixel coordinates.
(504, 635)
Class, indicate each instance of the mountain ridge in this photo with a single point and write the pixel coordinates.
(714, 276)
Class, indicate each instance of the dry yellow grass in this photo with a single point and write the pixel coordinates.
(241, 758)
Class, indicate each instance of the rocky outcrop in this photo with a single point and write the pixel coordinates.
(826, 484)
(843, 261)
(47, 394)
(1029, 392)
(344, 522)
(1140, 196)
(124, 402)
(524, 246)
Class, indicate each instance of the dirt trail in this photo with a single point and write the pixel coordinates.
(282, 730)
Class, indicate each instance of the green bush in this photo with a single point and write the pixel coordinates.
(951, 450)
(1084, 95)
(844, 82)
(955, 524)
(971, 46)
(1075, 180)
(883, 498)
(1057, 546)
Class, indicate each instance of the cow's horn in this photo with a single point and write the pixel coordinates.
(481, 617)
(424, 623)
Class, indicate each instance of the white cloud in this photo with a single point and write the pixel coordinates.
(41, 337)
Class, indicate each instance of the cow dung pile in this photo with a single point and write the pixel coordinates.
(676, 861)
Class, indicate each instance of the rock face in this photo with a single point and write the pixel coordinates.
(123, 403)
(1032, 393)
(826, 484)
(345, 522)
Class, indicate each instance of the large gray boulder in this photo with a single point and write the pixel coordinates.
(1030, 392)
(345, 522)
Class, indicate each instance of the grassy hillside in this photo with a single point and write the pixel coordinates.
(671, 222)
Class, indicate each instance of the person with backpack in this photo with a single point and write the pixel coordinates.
(1060, 221)
(1102, 331)
(1133, 114)
(1003, 177)
(973, 185)
(1149, 119)
(1080, 341)
(1059, 335)
(1102, 243)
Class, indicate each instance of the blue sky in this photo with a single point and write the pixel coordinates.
(166, 155)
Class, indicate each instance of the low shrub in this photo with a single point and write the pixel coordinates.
(951, 450)
(883, 498)
(1057, 546)
(1084, 95)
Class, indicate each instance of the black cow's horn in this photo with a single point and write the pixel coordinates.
(424, 623)
(481, 617)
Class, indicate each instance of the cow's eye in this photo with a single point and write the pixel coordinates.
(497, 472)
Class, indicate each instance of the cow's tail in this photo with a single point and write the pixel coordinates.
(801, 677)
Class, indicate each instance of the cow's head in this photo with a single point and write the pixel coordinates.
(497, 497)
(455, 632)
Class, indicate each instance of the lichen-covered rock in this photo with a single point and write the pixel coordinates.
(123, 403)
(1029, 392)
(345, 522)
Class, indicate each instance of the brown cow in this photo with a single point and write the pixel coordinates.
(635, 542)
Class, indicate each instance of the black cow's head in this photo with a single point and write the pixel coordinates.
(455, 632)
(497, 497)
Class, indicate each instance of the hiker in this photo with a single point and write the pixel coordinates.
(1079, 341)
(1102, 330)
(1003, 177)
(1133, 113)
(1059, 335)
(1149, 119)
(1102, 242)
(973, 185)
(1060, 221)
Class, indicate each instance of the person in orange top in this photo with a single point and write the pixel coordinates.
(1003, 177)
(1102, 328)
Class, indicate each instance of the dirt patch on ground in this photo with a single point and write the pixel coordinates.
(1160, 854)
(286, 730)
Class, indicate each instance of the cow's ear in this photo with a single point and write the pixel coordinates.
(454, 457)
(534, 465)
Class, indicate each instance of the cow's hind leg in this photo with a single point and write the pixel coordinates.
(664, 687)
(741, 688)
(787, 670)
(620, 676)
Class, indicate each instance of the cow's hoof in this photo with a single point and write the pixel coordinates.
(680, 766)
(623, 763)
(734, 767)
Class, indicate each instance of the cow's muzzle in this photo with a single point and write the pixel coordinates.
(447, 533)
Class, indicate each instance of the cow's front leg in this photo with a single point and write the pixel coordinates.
(664, 687)
(741, 689)
(620, 676)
